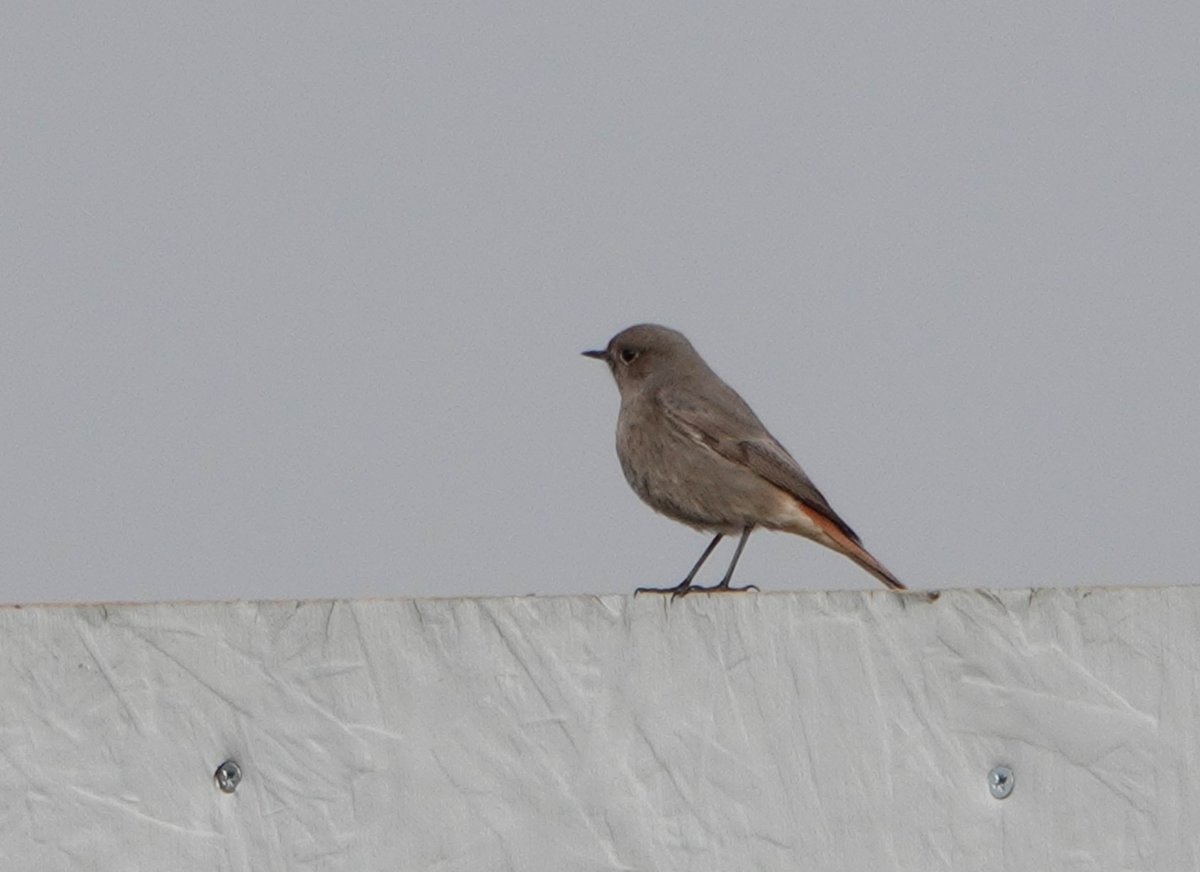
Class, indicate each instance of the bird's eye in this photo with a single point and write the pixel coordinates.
(628, 355)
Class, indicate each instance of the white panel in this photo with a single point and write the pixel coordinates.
(835, 731)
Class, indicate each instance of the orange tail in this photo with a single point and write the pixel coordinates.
(864, 559)
(843, 544)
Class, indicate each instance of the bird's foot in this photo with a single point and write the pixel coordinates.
(684, 588)
(723, 588)
(678, 590)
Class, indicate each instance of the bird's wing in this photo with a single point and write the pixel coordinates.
(732, 430)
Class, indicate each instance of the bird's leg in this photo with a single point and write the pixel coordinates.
(685, 585)
(723, 586)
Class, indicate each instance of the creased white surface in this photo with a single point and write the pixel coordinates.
(833, 731)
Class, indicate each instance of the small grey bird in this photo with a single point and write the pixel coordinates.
(693, 449)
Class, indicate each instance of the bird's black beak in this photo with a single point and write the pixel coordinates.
(598, 355)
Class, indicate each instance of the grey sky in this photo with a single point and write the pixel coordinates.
(293, 298)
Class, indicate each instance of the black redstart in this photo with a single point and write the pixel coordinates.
(692, 449)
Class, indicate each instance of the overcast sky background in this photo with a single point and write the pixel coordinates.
(293, 296)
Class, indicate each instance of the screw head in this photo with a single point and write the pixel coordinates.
(228, 776)
(1001, 781)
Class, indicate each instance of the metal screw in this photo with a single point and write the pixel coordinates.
(1000, 782)
(228, 776)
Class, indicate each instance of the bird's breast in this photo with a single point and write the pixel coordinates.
(688, 481)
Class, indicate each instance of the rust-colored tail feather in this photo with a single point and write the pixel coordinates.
(877, 569)
(842, 543)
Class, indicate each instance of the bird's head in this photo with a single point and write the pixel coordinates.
(638, 352)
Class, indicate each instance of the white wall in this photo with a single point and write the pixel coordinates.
(838, 731)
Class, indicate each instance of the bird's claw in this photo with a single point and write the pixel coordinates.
(678, 590)
(684, 589)
(724, 588)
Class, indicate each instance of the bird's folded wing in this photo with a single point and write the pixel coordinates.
(738, 436)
